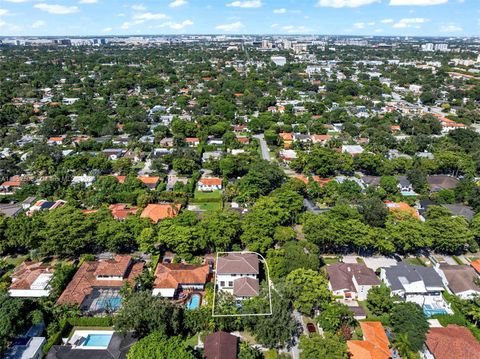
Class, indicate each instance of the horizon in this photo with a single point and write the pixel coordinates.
(388, 18)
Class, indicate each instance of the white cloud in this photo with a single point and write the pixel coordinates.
(177, 25)
(345, 3)
(450, 28)
(386, 21)
(138, 7)
(417, 2)
(16, 1)
(56, 9)
(149, 16)
(12, 28)
(274, 25)
(3, 12)
(230, 27)
(359, 25)
(88, 1)
(125, 25)
(178, 3)
(410, 22)
(107, 29)
(280, 11)
(38, 23)
(291, 29)
(246, 4)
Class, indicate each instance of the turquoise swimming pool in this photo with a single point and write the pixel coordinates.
(194, 301)
(97, 340)
(112, 303)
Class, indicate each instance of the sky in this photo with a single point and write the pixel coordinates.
(159, 17)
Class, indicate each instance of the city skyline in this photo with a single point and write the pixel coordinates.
(251, 17)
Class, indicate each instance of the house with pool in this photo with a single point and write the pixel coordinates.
(417, 284)
(89, 344)
(238, 274)
(182, 281)
(96, 286)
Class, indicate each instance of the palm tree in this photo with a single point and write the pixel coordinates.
(402, 343)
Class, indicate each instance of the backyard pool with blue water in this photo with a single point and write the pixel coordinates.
(97, 340)
(194, 301)
(112, 303)
(429, 310)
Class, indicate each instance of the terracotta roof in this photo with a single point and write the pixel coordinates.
(476, 265)
(286, 136)
(221, 345)
(122, 210)
(121, 179)
(85, 280)
(172, 274)
(25, 274)
(116, 267)
(238, 263)
(452, 342)
(402, 207)
(375, 344)
(322, 181)
(302, 178)
(192, 139)
(149, 180)
(321, 138)
(159, 211)
(210, 181)
(246, 287)
(11, 184)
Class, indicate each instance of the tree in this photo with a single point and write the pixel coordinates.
(292, 255)
(157, 346)
(408, 318)
(12, 317)
(379, 300)
(408, 235)
(328, 347)
(143, 313)
(450, 234)
(373, 211)
(247, 352)
(220, 230)
(335, 316)
(308, 290)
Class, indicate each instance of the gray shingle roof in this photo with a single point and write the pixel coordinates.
(412, 274)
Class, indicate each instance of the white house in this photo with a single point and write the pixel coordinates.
(85, 180)
(351, 280)
(31, 280)
(237, 274)
(209, 184)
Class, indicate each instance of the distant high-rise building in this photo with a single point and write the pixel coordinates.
(441, 47)
(427, 47)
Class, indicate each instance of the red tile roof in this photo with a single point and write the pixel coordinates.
(159, 211)
(25, 274)
(85, 280)
(210, 181)
(452, 342)
(122, 210)
(375, 344)
(172, 274)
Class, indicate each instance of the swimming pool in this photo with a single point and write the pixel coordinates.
(112, 303)
(97, 340)
(194, 301)
(430, 310)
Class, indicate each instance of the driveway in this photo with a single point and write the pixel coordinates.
(263, 146)
(377, 262)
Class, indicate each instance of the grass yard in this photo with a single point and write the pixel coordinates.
(210, 196)
(208, 206)
(330, 260)
(414, 261)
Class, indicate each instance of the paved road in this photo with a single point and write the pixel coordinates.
(263, 146)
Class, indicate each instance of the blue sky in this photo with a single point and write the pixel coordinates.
(348, 17)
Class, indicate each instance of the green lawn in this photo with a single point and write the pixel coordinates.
(214, 195)
(414, 261)
(330, 260)
(208, 206)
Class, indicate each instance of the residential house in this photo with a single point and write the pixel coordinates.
(300, 137)
(287, 138)
(171, 278)
(96, 285)
(159, 211)
(460, 210)
(150, 181)
(321, 139)
(209, 184)
(9, 187)
(172, 179)
(31, 280)
(460, 279)
(402, 207)
(10, 209)
(352, 150)
(84, 180)
(450, 342)
(441, 182)
(417, 284)
(120, 211)
(44, 205)
(405, 186)
(113, 153)
(117, 347)
(192, 141)
(167, 142)
(56, 140)
(220, 345)
(237, 273)
(449, 125)
(350, 280)
(211, 155)
(29, 345)
(375, 343)
(287, 155)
